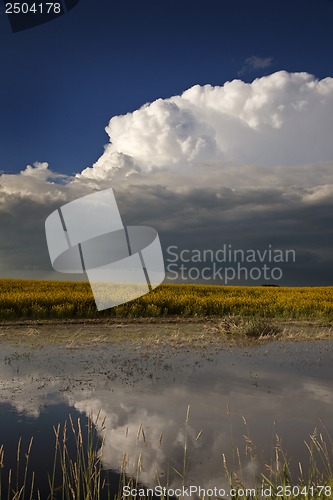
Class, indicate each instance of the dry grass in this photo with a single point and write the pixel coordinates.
(252, 328)
(80, 475)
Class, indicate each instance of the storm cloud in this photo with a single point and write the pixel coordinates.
(246, 164)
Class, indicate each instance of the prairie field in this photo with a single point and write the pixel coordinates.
(69, 300)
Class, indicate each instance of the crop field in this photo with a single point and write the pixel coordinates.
(67, 300)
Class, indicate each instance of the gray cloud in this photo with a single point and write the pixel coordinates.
(243, 164)
(255, 62)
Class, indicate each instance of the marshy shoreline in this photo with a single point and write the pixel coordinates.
(176, 331)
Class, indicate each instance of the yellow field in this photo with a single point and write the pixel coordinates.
(58, 299)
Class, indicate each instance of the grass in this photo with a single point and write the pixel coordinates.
(74, 475)
(252, 328)
(313, 482)
(28, 299)
(79, 474)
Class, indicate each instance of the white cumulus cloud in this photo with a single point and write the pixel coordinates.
(246, 163)
(280, 119)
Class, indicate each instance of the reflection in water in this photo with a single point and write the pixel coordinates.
(33, 439)
(143, 396)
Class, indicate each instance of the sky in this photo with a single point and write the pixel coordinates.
(211, 121)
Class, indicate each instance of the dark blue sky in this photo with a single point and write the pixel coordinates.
(61, 82)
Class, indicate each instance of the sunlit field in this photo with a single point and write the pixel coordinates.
(69, 300)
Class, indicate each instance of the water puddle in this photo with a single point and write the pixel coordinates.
(139, 399)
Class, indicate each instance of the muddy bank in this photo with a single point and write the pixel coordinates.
(175, 331)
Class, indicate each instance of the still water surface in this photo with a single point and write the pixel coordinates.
(276, 388)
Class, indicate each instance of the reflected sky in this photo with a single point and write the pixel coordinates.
(142, 393)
